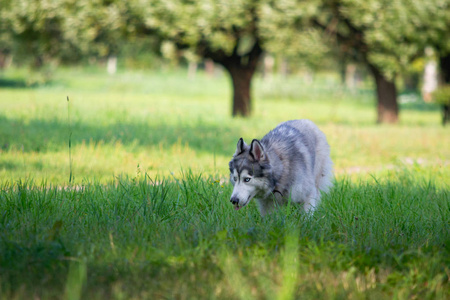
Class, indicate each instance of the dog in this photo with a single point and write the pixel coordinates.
(291, 162)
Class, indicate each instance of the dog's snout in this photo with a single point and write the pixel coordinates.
(234, 200)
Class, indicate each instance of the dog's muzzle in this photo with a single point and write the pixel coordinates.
(234, 200)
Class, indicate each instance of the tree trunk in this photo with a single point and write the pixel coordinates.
(445, 114)
(387, 106)
(241, 79)
(5, 60)
(444, 64)
(38, 62)
(284, 68)
(192, 70)
(209, 67)
(350, 76)
(241, 69)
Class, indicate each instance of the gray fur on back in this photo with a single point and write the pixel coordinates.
(298, 166)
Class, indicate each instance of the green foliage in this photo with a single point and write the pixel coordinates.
(66, 30)
(285, 29)
(35, 29)
(215, 24)
(101, 28)
(442, 95)
(390, 34)
(386, 34)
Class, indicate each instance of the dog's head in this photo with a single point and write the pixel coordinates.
(250, 173)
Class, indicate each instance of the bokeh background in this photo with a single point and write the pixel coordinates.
(160, 86)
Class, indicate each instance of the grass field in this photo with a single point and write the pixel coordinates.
(147, 215)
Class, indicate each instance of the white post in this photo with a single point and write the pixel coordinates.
(111, 65)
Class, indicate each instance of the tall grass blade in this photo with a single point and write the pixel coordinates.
(75, 280)
(70, 140)
(290, 266)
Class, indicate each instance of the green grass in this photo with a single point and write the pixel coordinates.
(138, 238)
(148, 214)
(164, 122)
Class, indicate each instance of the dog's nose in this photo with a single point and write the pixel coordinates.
(234, 200)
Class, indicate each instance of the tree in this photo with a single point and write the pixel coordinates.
(438, 36)
(102, 28)
(38, 32)
(285, 27)
(442, 44)
(384, 35)
(34, 30)
(6, 44)
(369, 31)
(6, 38)
(225, 31)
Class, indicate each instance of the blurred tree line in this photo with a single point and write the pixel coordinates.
(383, 36)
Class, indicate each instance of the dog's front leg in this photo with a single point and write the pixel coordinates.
(268, 204)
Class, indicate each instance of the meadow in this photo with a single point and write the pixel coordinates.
(147, 213)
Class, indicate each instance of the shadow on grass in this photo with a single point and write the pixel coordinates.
(413, 101)
(420, 106)
(44, 135)
(13, 83)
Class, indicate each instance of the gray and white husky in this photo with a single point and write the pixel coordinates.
(290, 162)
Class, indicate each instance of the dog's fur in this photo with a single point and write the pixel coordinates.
(291, 162)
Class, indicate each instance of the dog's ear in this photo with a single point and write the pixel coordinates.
(257, 151)
(240, 147)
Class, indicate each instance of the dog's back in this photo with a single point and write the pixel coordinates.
(305, 158)
(323, 170)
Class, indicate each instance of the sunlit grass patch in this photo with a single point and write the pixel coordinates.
(164, 130)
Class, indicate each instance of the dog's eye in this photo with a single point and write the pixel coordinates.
(247, 179)
(234, 178)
